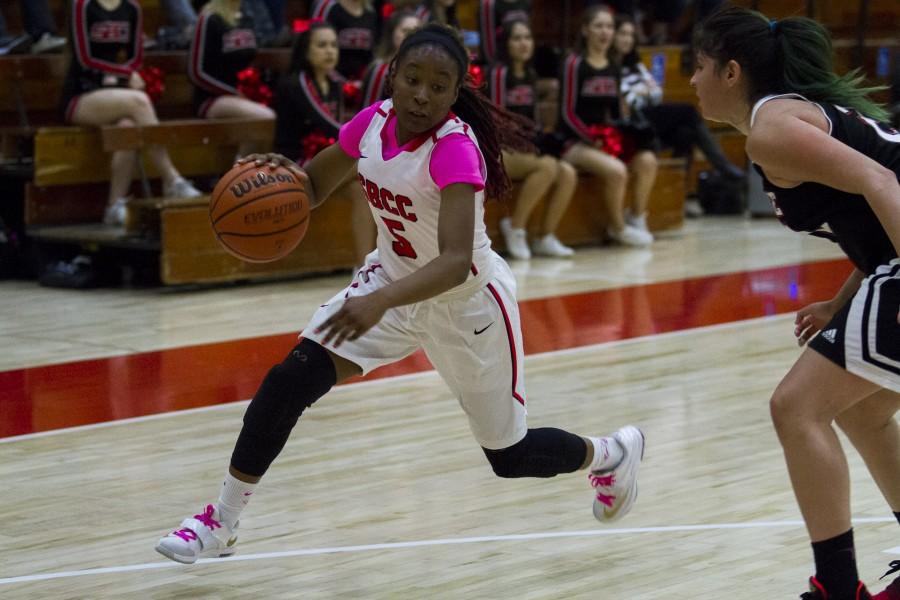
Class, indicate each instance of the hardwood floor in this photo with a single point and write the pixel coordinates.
(381, 492)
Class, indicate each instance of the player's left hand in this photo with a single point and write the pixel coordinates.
(355, 317)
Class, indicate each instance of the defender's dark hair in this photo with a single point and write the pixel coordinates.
(300, 50)
(789, 55)
(494, 127)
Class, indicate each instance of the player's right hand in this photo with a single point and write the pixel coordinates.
(272, 160)
(811, 319)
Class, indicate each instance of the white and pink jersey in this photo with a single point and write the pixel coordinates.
(403, 186)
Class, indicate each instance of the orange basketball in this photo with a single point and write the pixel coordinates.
(259, 214)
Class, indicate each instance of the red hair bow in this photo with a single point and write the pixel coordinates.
(303, 25)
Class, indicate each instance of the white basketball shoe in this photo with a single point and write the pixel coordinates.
(616, 490)
(202, 536)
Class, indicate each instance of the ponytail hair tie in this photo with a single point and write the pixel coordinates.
(773, 26)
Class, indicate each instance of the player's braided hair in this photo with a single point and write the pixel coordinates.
(494, 127)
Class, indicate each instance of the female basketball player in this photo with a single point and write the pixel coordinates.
(432, 283)
(221, 48)
(831, 169)
(103, 87)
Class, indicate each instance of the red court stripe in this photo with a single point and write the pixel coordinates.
(95, 391)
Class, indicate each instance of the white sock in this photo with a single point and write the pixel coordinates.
(608, 453)
(235, 495)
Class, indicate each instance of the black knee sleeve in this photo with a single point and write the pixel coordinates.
(288, 389)
(543, 452)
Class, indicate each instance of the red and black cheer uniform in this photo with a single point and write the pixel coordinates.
(307, 120)
(219, 51)
(356, 36)
(374, 83)
(588, 97)
(105, 44)
(515, 94)
(590, 110)
(492, 15)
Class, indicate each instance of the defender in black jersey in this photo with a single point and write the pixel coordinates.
(103, 87)
(512, 84)
(223, 45)
(831, 165)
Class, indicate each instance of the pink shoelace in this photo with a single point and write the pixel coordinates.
(603, 481)
(206, 518)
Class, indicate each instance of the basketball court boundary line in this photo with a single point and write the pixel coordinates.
(419, 544)
(393, 378)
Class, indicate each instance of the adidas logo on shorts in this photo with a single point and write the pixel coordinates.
(829, 335)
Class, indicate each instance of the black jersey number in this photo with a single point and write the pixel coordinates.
(401, 245)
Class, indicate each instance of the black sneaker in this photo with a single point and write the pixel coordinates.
(817, 591)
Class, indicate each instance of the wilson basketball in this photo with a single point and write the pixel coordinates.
(259, 214)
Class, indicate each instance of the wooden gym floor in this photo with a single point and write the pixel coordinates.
(119, 408)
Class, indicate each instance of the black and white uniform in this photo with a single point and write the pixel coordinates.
(356, 36)
(303, 110)
(106, 49)
(492, 16)
(219, 51)
(864, 335)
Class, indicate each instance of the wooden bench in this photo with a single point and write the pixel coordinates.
(66, 201)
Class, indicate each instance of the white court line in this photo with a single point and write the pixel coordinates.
(895, 550)
(419, 544)
(396, 378)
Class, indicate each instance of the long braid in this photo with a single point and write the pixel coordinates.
(494, 127)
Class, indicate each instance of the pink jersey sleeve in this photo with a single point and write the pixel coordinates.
(456, 159)
(352, 131)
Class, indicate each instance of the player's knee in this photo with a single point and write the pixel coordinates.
(566, 171)
(291, 387)
(547, 166)
(788, 409)
(507, 462)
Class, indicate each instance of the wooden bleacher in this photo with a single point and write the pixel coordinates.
(66, 199)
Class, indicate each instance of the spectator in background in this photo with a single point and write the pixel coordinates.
(396, 28)
(677, 125)
(40, 36)
(308, 99)
(356, 24)
(512, 84)
(222, 47)
(493, 15)
(180, 18)
(590, 105)
(438, 11)
(103, 87)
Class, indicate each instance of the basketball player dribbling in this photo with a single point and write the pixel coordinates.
(831, 168)
(426, 157)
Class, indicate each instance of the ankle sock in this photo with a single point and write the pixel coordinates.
(608, 453)
(235, 495)
(836, 565)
